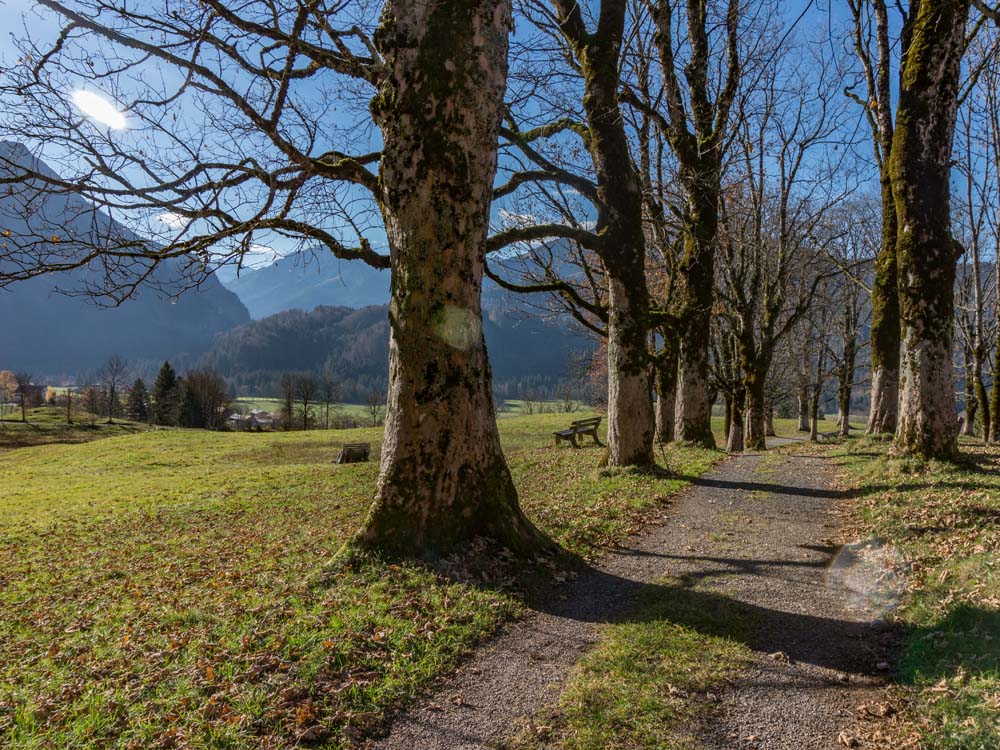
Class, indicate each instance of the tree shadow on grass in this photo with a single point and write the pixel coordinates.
(964, 640)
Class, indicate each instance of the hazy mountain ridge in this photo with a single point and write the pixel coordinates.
(51, 334)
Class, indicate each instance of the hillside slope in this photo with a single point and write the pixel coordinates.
(51, 334)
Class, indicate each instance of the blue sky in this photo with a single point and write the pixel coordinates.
(26, 17)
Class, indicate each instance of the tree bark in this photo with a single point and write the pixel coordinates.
(756, 429)
(769, 423)
(666, 391)
(443, 478)
(694, 415)
(845, 385)
(885, 325)
(734, 443)
(631, 424)
(814, 413)
(925, 250)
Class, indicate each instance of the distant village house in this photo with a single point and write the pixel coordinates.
(256, 421)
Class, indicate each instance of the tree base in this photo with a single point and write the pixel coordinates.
(402, 525)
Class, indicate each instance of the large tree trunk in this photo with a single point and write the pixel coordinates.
(444, 478)
(845, 387)
(803, 400)
(630, 407)
(631, 424)
(756, 429)
(885, 325)
(666, 391)
(769, 419)
(734, 443)
(694, 415)
(755, 365)
(926, 250)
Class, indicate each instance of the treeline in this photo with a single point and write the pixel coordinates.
(352, 346)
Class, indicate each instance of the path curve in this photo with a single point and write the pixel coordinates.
(758, 533)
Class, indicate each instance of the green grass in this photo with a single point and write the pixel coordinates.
(174, 588)
(357, 412)
(944, 519)
(48, 424)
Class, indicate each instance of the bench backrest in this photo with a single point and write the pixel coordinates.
(353, 452)
(591, 422)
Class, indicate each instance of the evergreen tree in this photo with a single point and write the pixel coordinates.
(166, 396)
(191, 412)
(137, 405)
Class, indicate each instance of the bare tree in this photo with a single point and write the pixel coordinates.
(375, 405)
(873, 46)
(113, 376)
(777, 216)
(286, 394)
(23, 381)
(307, 390)
(258, 156)
(593, 57)
(329, 393)
(696, 125)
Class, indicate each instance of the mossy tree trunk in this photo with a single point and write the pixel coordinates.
(631, 423)
(697, 125)
(875, 53)
(756, 432)
(734, 440)
(666, 388)
(885, 325)
(926, 255)
(694, 305)
(443, 478)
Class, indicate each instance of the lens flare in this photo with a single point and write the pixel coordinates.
(458, 327)
(870, 575)
(100, 109)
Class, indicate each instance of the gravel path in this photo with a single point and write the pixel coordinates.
(750, 533)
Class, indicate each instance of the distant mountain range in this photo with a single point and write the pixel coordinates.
(301, 313)
(305, 280)
(51, 334)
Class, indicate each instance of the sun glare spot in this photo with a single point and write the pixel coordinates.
(100, 109)
(172, 220)
(870, 576)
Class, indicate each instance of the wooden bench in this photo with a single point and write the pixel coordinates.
(579, 427)
(353, 453)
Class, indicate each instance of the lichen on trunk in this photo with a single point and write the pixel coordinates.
(885, 325)
(926, 252)
(443, 478)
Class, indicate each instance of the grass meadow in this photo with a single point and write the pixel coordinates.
(943, 519)
(177, 588)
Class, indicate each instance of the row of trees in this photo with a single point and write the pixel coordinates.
(661, 147)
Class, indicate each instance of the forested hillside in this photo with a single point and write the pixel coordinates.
(530, 357)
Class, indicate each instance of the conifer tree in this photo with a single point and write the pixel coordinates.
(137, 405)
(166, 396)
